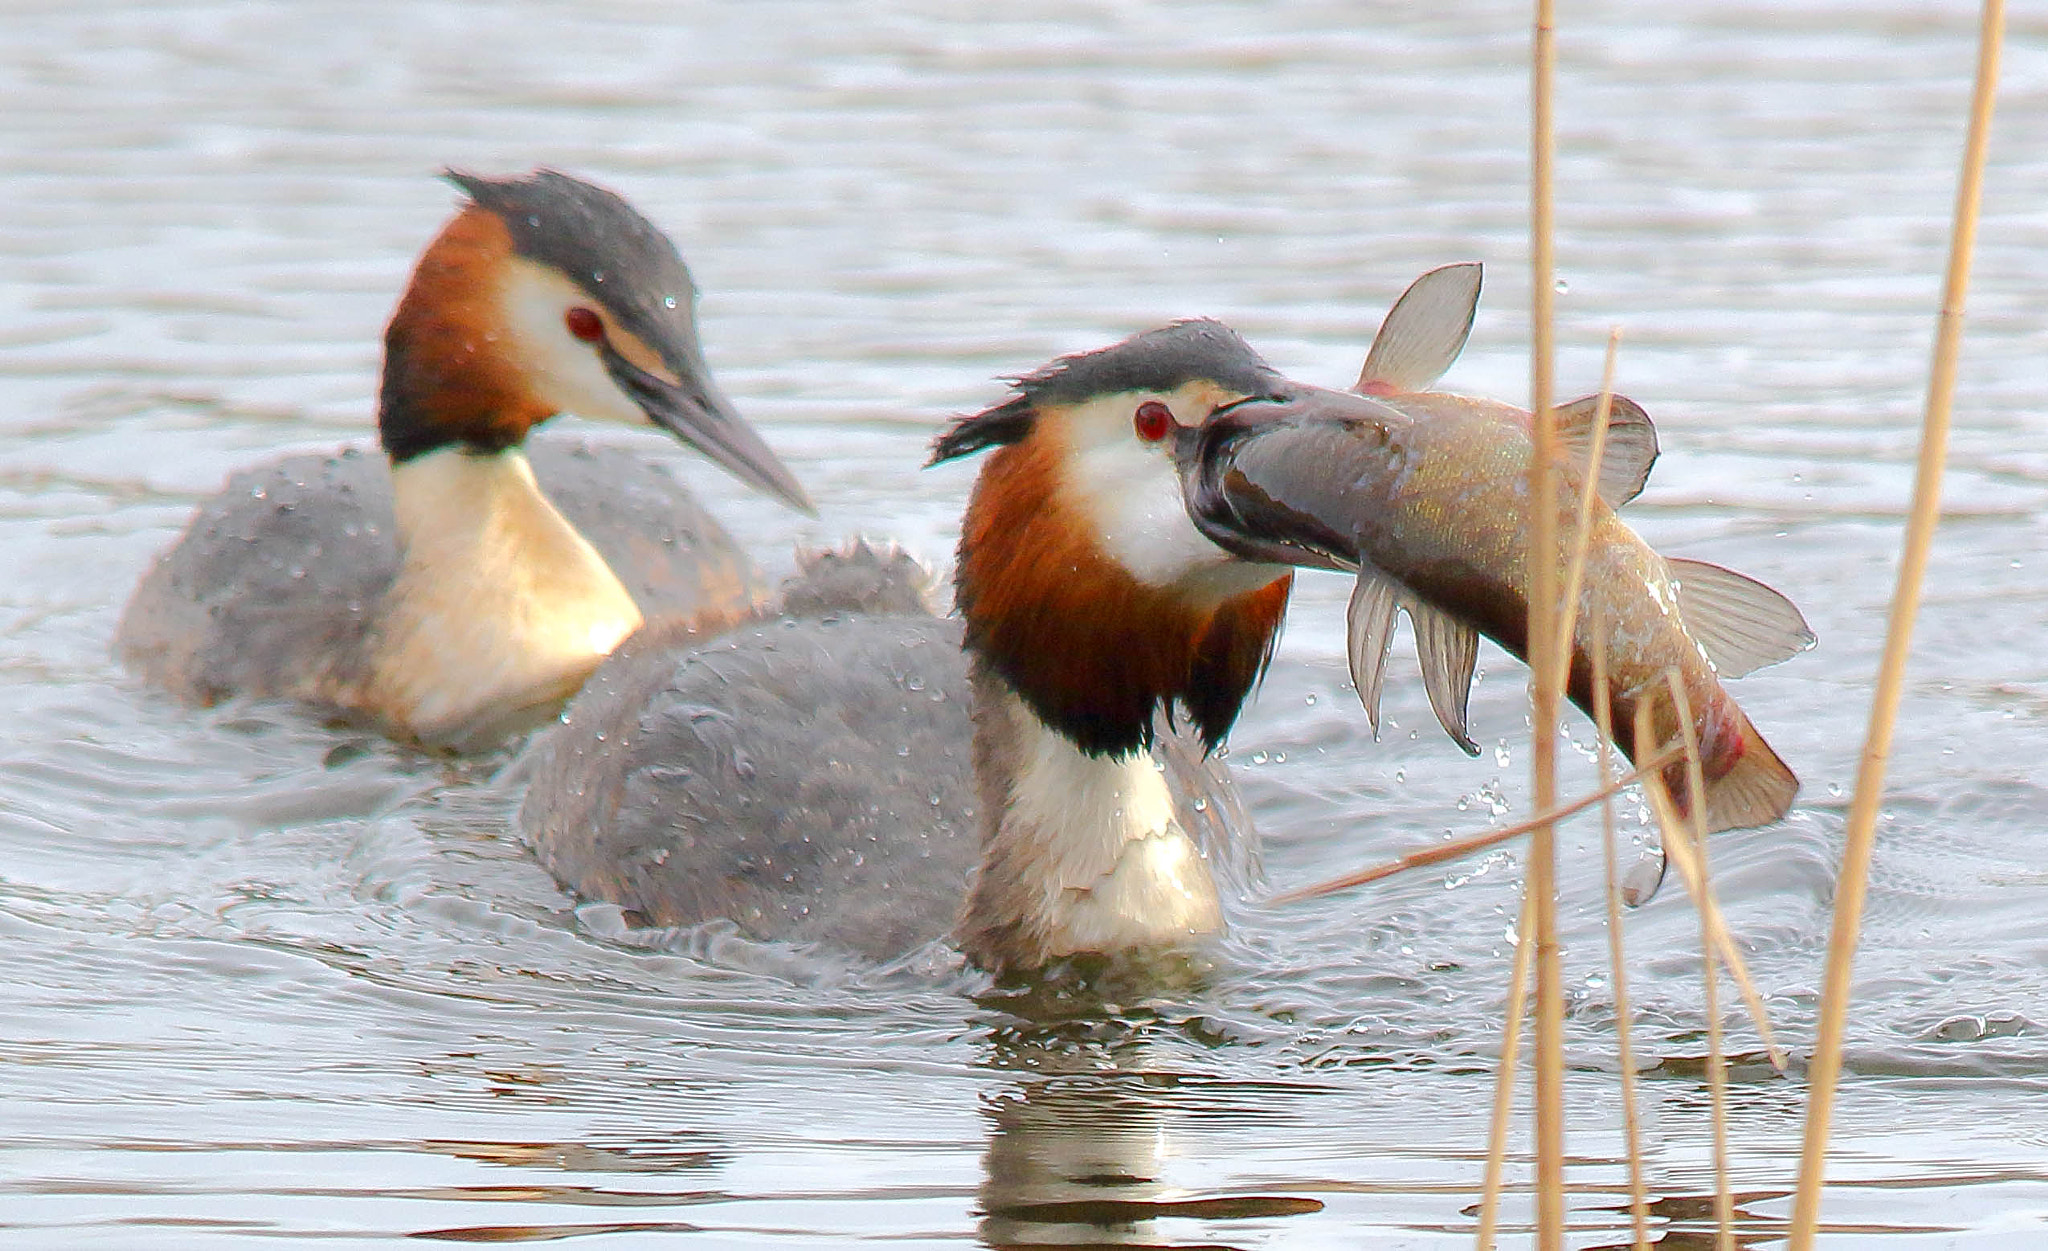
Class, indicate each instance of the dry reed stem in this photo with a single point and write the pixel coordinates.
(1504, 1078)
(1861, 834)
(1679, 846)
(1543, 551)
(1478, 842)
(1717, 1065)
(1603, 720)
(1582, 533)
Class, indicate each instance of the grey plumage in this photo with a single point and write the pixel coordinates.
(274, 587)
(809, 779)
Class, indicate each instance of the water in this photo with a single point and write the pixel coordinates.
(269, 984)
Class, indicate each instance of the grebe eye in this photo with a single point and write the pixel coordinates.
(584, 324)
(1153, 421)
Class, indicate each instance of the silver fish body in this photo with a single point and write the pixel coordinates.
(1425, 494)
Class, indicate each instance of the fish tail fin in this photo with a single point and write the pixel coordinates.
(1756, 791)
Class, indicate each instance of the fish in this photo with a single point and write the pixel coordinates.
(1423, 495)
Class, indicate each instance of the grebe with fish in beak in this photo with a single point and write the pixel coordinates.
(852, 778)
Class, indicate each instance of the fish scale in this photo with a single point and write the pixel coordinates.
(1424, 494)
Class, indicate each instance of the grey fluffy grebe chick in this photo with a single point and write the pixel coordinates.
(455, 590)
(857, 780)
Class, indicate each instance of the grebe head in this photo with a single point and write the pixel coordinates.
(1083, 580)
(546, 294)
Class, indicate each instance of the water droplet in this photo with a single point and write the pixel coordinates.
(668, 301)
(1311, 698)
(1835, 789)
(1259, 757)
(1562, 286)
(1400, 775)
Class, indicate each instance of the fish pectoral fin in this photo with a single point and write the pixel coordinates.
(1739, 622)
(1423, 332)
(1631, 444)
(1368, 637)
(1448, 649)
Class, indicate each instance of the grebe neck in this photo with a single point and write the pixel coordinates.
(500, 609)
(1081, 852)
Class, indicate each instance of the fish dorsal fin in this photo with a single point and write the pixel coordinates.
(1423, 332)
(1448, 650)
(1631, 444)
(1739, 622)
(1369, 635)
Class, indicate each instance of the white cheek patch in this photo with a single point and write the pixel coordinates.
(1130, 491)
(563, 371)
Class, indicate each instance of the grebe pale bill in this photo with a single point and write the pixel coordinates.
(456, 595)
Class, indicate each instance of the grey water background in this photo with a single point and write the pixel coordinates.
(267, 983)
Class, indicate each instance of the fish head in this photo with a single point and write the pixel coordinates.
(1276, 479)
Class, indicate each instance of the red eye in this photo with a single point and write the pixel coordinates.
(1153, 421)
(584, 324)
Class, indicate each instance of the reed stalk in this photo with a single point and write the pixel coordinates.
(1684, 855)
(1603, 721)
(1717, 1066)
(1475, 843)
(1582, 533)
(1504, 1078)
(1825, 1072)
(1543, 552)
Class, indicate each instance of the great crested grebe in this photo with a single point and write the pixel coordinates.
(1125, 557)
(852, 778)
(467, 590)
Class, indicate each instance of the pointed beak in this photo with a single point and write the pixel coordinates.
(693, 410)
(1272, 480)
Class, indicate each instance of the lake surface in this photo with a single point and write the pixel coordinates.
(272, 984)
